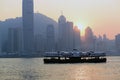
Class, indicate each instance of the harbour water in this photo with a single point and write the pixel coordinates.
(35, 69)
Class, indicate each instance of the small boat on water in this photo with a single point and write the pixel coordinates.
(74, 56)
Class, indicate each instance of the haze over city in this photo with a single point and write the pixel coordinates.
(81, 36)
(101, 15)
(86, 26)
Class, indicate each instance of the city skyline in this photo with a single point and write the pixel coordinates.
(101, 16)
(59, 39)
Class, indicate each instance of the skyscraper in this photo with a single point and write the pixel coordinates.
(50, 46)
(89, 39)
(28, 32)
(14, 40)
(105, 43)
(39, 43)
(99, 44)
(0, 44)
(69, 35)
(62, 33)
(117, 42)
(77, 40)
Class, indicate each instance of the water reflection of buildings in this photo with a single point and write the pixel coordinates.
(26, 70)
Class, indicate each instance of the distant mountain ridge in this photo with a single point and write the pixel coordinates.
(40, 23)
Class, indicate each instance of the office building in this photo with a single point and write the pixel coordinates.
(28, 25)
(62, 33)
(69, 35)
(39, 43)
(117, 42)
(89, 40)
(77, 38)
(14, 40)
(50, 46)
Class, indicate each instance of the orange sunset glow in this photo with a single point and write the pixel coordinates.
(82, 28)
(101, 15)
(59, 39)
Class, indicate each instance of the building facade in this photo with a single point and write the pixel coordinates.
(77, 39)
(28, 32)
(89, 40)
(117, 42)
(50, 38)
(62, 33)
(15, 40)
(39, 43)
(69, 35)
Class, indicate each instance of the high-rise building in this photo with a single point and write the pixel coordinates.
(77, 38)
(14, 40)
(117, 42)
(89, 39)
(69, 35)
(105, 43)
(39, 43)
(62, 33)
(99, 44)
(0, 44)
(50, 46)
(28, 32)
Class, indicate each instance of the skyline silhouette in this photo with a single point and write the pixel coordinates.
(42, 36)
(101, 16)
(64, 36)
(59, 39)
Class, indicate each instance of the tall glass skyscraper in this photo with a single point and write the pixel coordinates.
(62, 33)
(28, 32)
(89, 39)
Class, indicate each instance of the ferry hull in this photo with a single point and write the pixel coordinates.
(73, 60)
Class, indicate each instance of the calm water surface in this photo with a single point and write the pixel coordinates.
(34, 69)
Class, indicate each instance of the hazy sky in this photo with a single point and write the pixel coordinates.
(103, 16)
